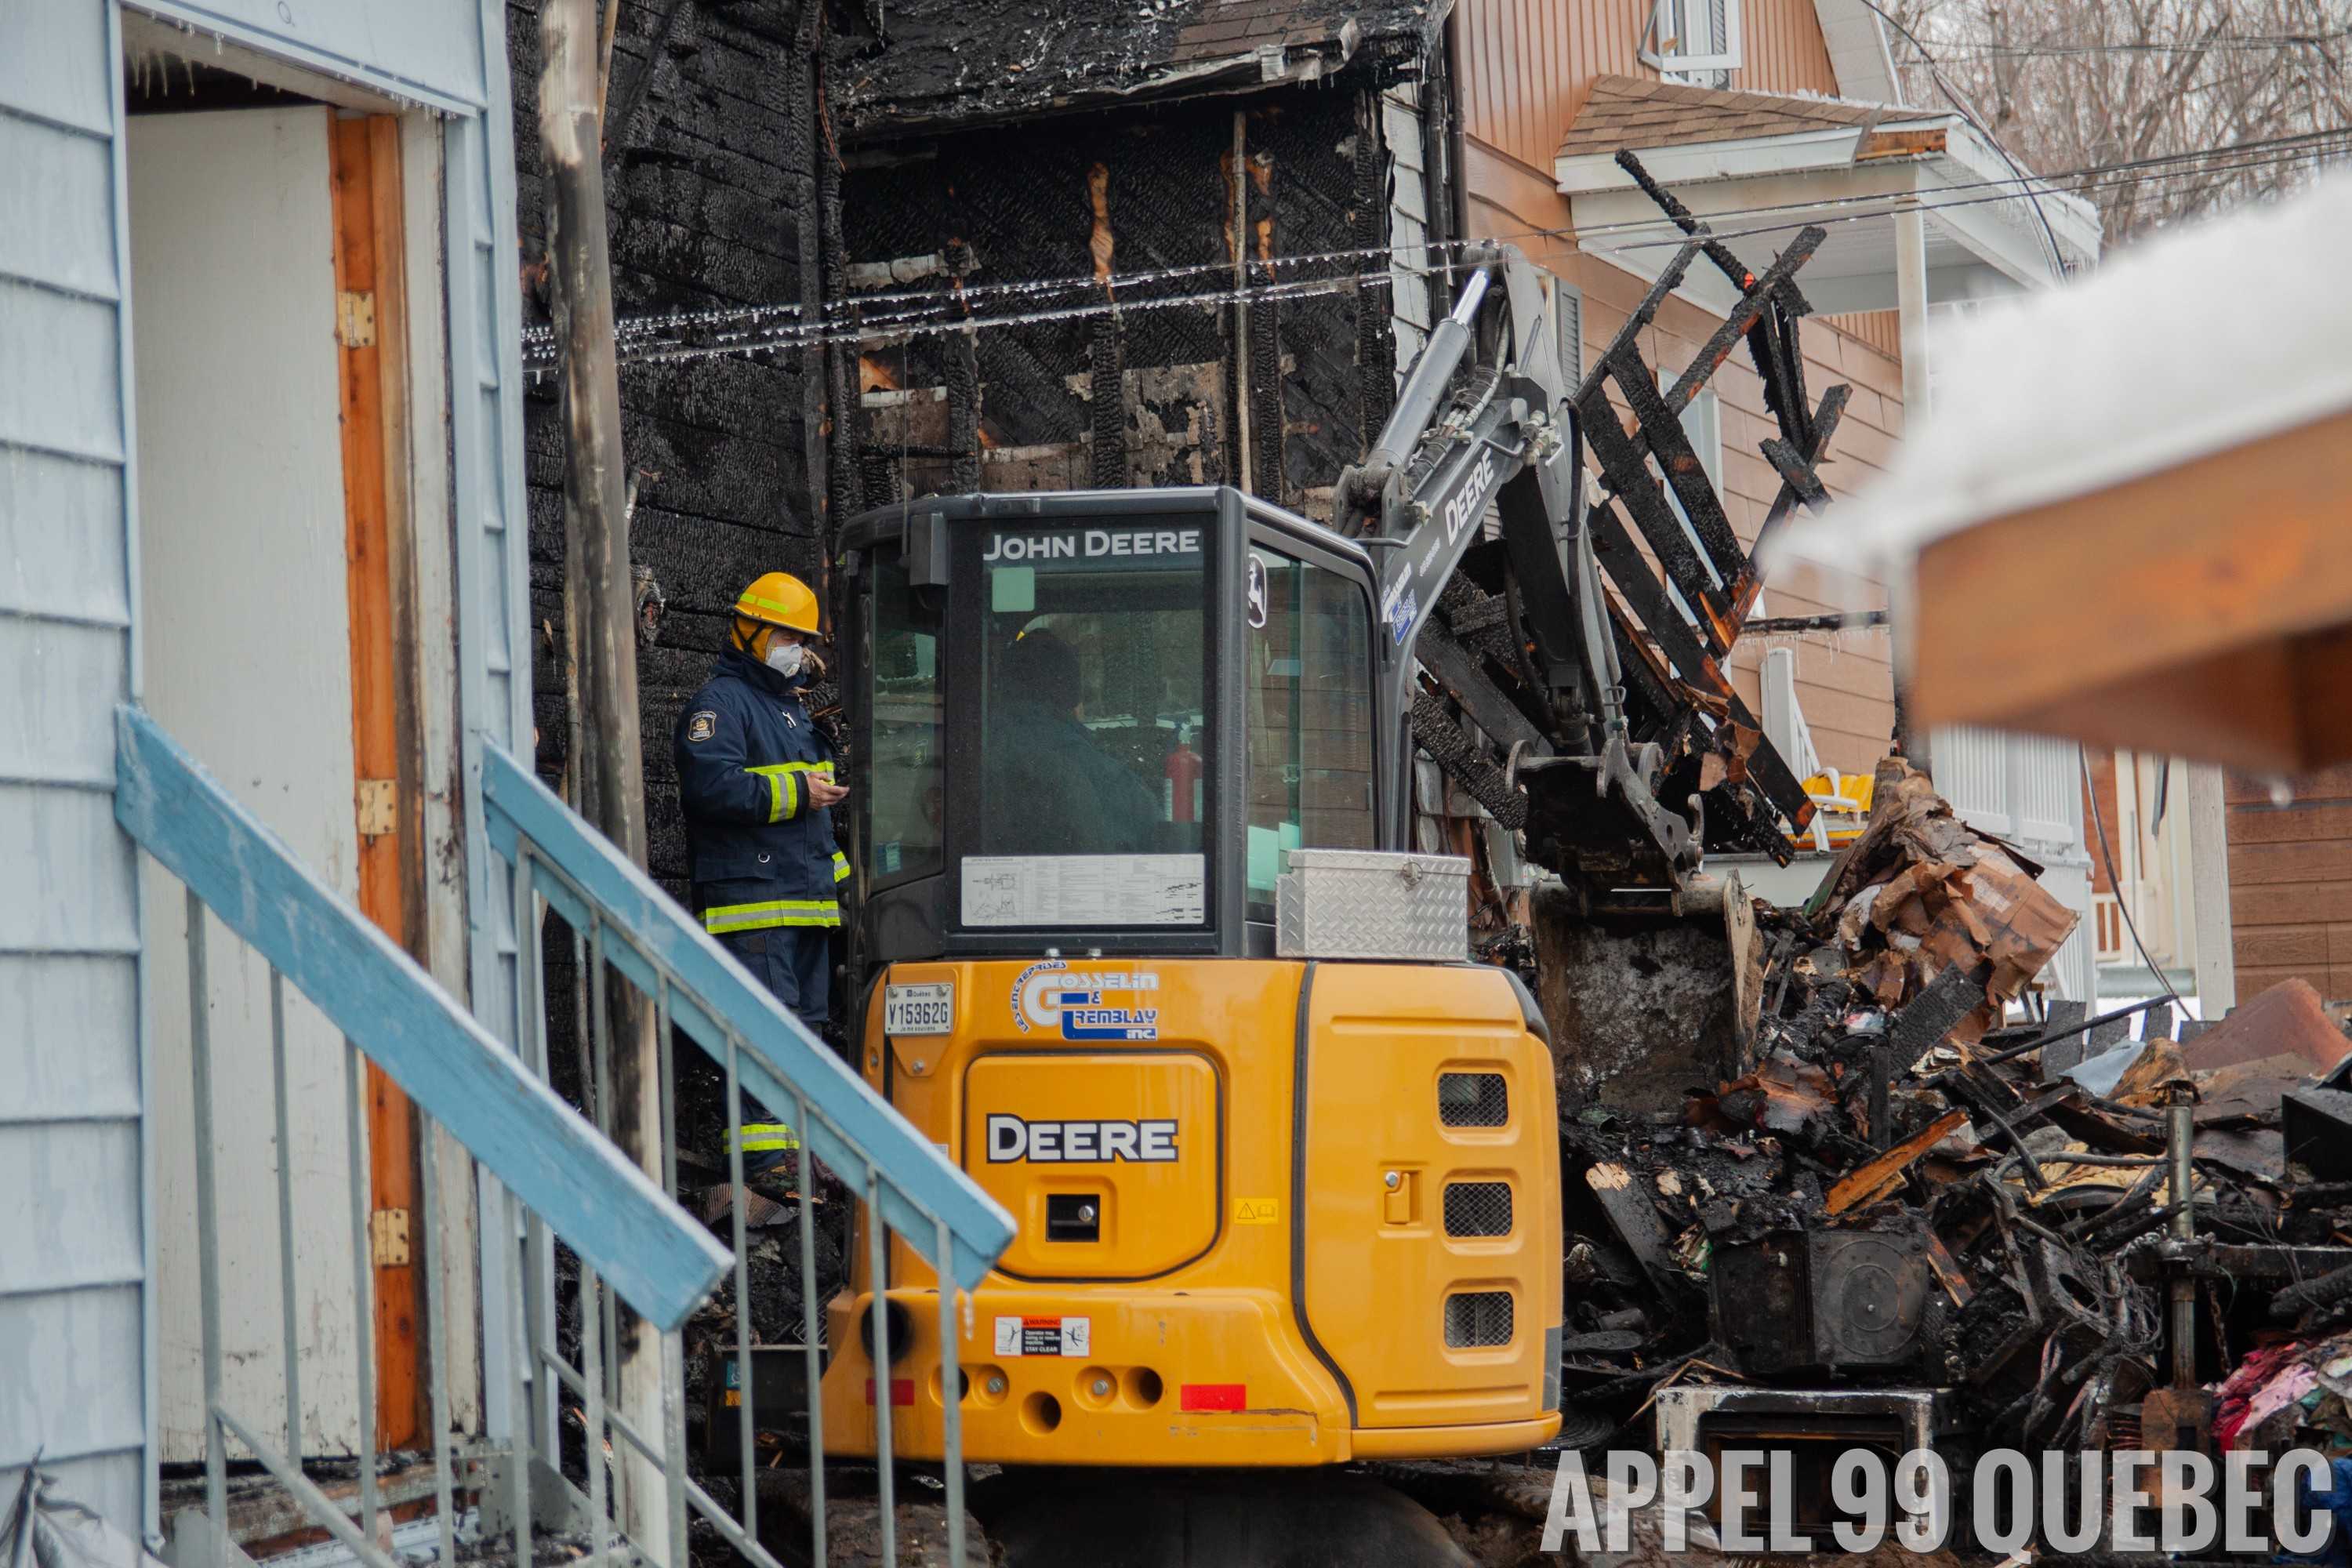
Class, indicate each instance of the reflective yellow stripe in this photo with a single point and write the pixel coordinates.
(770, 606)
(758, 1137)
(840, 866)
(783, 790)
(728, 918)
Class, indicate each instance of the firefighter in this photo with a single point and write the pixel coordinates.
(756, 786)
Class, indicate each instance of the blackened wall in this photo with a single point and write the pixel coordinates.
(1022, 198)
(708, 164)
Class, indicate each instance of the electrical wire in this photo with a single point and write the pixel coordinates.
(642, 340)
(931, 304)
(2235, 45)
(1975, 124)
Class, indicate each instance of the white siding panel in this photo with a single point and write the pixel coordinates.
(57, 724)
(71, 1028)
(63, 386)
(57, 208)
(93, 1332)
(61, 537)
(75, 1180)
(53, 62)
(73, 1362)
(62, 846)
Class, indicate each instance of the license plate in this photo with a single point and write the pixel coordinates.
(919, 1009)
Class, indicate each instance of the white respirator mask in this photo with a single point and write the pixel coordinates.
(786, 658)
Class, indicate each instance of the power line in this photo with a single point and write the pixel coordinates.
(855, 332)
(2230, 45)
(771, 326)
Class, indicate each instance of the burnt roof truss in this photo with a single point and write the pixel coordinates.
(1680, 586)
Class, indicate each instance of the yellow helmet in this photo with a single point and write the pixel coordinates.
(780, 599)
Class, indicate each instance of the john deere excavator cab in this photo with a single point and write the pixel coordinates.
(1098, 720)
(1273, 1210)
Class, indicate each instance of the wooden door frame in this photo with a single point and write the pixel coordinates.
(371, 332)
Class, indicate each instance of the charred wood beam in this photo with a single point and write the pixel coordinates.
(1629, 336)
(1647, 599)
(1795, 472)
(1107, 391)
(1375, 338)
(1663, 433)
(1796, 421)
(1649, 684)
(961, 354)
(1465, 762)
(1744, 316)
(1728, 264)
(1825, 422)
(1626, 471)
(1457, 670)
(622, 107)
(1783, 626)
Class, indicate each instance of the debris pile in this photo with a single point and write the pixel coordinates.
(1902, 1189)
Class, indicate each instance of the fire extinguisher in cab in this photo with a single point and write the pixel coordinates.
(1180, 799)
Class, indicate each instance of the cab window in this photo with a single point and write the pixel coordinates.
(1308, 683)
(902, 695)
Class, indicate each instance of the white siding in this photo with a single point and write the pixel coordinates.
(2028, 789)
(73, 1239)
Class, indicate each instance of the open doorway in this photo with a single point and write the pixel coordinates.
(278, 603)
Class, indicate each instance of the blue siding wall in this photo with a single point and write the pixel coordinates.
(74, 1255)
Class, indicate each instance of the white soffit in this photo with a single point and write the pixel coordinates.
(1985, 238)
(2188, 345)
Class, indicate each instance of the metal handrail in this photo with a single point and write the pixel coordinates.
(553, 1171)
(611, 1213)
(715, 999)
(623, 922)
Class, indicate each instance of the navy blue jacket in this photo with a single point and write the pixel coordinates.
(762, 854)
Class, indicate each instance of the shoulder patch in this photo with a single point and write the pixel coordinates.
(700, 727)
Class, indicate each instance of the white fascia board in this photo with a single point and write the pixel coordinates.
(1973, 160)
(1698, 163)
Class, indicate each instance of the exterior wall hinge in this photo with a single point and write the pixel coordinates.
(388, 1238)
(378, 807)
(355, 320)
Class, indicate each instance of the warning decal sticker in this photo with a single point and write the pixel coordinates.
(1045, 1336)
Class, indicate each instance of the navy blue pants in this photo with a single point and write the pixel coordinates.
(795, 962)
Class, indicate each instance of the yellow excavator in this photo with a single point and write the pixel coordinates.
(1144, 943)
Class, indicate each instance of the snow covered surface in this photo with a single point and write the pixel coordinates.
(2184, 346)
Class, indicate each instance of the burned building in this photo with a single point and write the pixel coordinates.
(1112, 184)
(810, 206)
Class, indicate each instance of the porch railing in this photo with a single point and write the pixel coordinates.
(582, 1450)
(528, 1153)
(622, 927)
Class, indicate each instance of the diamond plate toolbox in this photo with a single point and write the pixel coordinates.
(1363, 903)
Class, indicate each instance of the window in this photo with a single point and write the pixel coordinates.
(902, 694)
(1307, 679)
(1092, 663)
(1694, 41)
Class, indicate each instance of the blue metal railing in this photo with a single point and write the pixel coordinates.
(621, 920)
(550, 1165)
